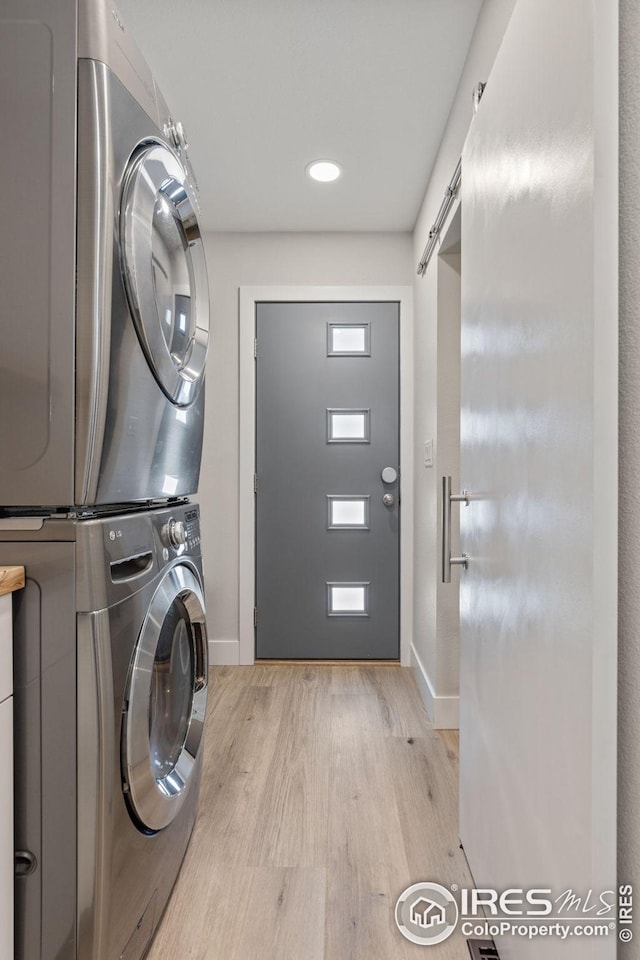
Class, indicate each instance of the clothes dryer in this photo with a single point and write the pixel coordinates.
(104, 315)
(110, 698)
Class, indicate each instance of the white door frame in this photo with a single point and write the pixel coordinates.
(249, 296)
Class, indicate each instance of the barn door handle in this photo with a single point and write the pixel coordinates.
(447, 499)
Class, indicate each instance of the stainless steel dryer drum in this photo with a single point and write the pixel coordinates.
(104, 314)
(110, 700)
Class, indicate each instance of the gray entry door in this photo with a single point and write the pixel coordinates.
(327, 546)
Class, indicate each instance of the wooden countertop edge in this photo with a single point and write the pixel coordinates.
(11, 578)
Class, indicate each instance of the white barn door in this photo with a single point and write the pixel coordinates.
(538, 454)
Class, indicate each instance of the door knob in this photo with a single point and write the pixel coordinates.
(388, 499)
(389, 475)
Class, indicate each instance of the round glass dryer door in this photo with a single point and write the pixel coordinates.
(167, 699)
(164, 270)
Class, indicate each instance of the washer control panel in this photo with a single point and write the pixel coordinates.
(192, 529)
(178, 529)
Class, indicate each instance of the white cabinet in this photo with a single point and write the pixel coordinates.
(6, 778)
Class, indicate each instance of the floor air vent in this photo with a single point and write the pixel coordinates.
(482, 950)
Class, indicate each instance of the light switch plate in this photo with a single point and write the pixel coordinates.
(428, 453)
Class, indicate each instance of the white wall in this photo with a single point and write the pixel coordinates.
(448, 282)
(235, 260)
(629, 458)
(435, 642)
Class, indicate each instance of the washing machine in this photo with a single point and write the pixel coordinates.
(104, 313)
(110, 697)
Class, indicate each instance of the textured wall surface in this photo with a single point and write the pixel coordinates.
(629, 463)
(239, 259)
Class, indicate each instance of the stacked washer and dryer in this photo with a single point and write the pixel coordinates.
(104, 326)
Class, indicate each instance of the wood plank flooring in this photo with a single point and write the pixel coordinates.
(325, 793)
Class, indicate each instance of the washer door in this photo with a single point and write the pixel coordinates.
(164, 270)
(167, 698)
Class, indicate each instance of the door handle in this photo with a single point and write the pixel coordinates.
(25, 863)
(202, 658)
(447, 499)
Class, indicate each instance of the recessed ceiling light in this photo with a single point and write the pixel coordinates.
(324, 170)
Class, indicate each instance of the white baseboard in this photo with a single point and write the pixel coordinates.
(224, 652)
(444, 711)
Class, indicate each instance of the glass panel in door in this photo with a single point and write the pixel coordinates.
(166, 700)
(172, 682)
(164, 270)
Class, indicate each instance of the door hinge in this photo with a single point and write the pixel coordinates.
(255, 349)
(255, 483)
(255, 616)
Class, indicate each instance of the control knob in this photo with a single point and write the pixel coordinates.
(174, 533)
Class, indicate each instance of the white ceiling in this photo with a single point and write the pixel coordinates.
(264, 86)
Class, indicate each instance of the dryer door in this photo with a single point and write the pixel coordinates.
(166, 702)
(164, 270)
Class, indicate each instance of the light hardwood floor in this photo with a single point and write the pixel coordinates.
(325, 793)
